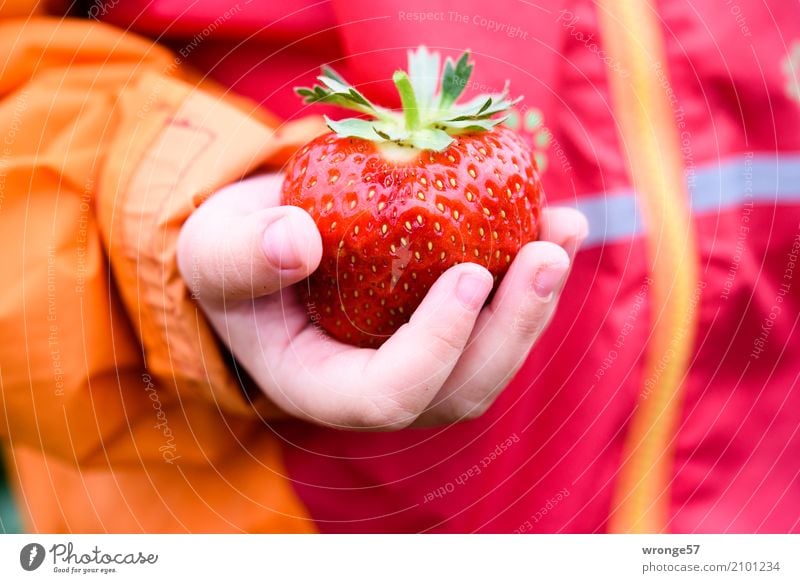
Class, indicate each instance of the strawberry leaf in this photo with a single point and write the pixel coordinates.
(352, 128)
(337, 91)
(329, 72)
(455, 80)
(392, 132)
(408, 99)
(432, 139)
(473, 124)
(429, 119)
(423, 70)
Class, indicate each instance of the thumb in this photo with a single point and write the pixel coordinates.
(243, 256)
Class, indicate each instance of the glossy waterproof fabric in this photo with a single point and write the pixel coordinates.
(547, 456)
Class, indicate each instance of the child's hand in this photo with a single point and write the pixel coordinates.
(240, 251)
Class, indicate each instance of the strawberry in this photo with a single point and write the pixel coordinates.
(401, 197)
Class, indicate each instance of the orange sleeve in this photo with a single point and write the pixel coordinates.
(106, 146)
(25, 8)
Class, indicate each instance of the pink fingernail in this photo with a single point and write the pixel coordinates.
(472, 289)
(280, 246)
(548, 279)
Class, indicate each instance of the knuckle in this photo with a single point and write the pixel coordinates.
(387, 417)
(467, 409)
(380, 414)
(530, 321)
(446, 342)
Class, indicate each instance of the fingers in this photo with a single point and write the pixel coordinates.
(504, 333)
(511, 324)
(564, 226)
(413, 364)
(226, 253)
(317, 379)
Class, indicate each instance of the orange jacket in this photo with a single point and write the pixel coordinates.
(105, 362)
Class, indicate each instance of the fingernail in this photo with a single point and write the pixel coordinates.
(472, 290)
(548, 279)
(280, 247)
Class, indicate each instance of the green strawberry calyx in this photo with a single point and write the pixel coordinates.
(430, 114)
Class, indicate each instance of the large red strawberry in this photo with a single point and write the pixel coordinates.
(403, 196)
